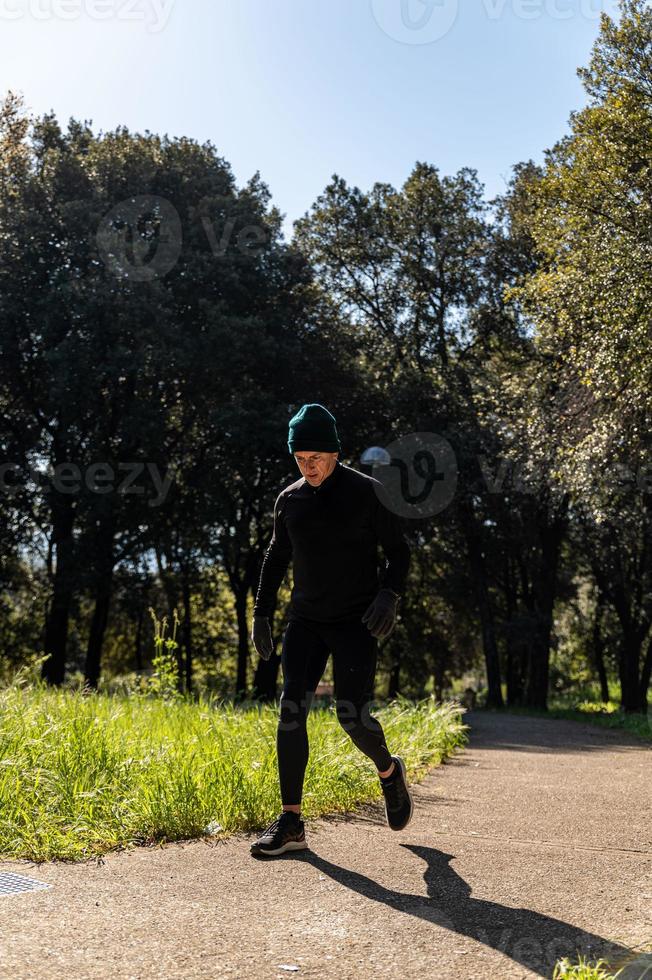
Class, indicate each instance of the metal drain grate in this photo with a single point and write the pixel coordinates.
(12, 884)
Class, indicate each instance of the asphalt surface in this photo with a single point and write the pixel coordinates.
(532, 844)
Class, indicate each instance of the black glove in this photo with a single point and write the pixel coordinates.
(381, 614)
(261, 637)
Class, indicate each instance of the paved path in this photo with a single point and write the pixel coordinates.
(534, 842)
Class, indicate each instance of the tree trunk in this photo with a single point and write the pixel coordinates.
(516, 657)
(187, 627)
(56, 629)
(536, 693)
(545, 592)
(103, 583)
(634, 631)
(630, 688)
(243, 643)
(394, 685)
(646, 676)
(138, 648)
(513, 646)
(478, 572)
(598, 649)
(98, 629)
(438, 679)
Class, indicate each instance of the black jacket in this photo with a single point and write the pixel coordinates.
(331, 533)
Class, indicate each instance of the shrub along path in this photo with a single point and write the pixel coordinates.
(532, 844)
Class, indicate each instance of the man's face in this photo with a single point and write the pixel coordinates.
(315, 467)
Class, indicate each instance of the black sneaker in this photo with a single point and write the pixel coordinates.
(286, 833)
(398, 802)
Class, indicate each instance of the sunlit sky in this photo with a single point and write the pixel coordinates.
(303, 89)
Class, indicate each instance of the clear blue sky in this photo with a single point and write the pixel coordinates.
(302, 89)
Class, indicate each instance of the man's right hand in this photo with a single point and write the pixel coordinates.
(261, 637)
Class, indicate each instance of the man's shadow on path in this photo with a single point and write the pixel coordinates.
(534, 940)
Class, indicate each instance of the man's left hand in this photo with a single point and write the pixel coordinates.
(380, 617)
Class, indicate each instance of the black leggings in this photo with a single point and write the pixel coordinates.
(306, 646)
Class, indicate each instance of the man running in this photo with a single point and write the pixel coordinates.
(329, 523)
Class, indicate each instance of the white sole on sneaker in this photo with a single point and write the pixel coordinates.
(292, 845)
(404, 771)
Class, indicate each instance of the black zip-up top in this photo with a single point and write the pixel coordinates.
(331, 533)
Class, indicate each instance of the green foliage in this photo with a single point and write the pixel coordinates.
(591, 293)
(589, 296)
(164, 682)
(637, 967)
(582, 970)
(82, 772)
(131, 371)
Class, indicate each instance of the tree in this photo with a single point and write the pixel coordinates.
(590, 297)
(144, 298)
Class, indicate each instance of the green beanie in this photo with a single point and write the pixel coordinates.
(313, 429)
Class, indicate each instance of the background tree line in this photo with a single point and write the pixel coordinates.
(157, 333)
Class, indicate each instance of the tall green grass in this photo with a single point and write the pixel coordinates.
(82, 773)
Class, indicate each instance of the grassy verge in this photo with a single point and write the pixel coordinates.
(82, 774)
(606, 714)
